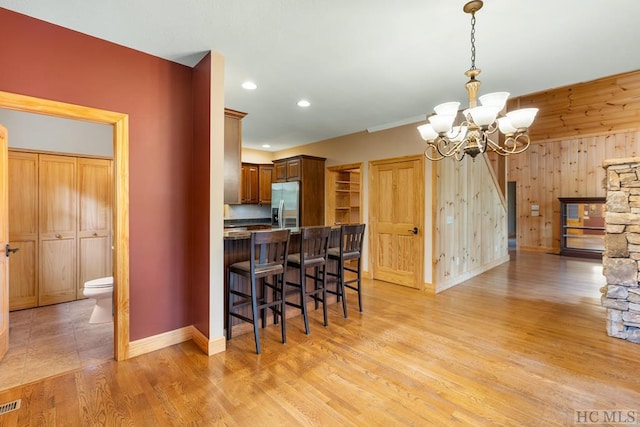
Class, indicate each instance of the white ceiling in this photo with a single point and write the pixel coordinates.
(362, 63)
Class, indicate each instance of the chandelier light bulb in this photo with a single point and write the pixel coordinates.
(505, 126)
(447, 108)
(442, 122)
(494, 99)
(483, 116)
(523, 118)
(427, 133)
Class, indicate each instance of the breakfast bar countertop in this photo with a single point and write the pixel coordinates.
(231, 234)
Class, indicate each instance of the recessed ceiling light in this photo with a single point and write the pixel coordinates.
(249, 85)
(266, 146)
(303, 103)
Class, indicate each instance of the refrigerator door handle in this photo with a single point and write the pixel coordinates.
(281, 214)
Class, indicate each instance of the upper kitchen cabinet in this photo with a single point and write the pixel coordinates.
(265, 173)
(309, 171)
(289, 169)
(249, 184)
(232, 155)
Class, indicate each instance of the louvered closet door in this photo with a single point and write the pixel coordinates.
(94, 220)
(57, 217)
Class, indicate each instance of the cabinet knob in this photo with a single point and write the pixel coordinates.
(95, 234)
(58, 236)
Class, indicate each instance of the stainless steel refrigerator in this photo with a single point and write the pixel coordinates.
(285, 204)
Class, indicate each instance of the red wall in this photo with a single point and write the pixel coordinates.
(48, 61)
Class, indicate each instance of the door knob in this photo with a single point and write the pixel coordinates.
(414, 230)
(8, 250)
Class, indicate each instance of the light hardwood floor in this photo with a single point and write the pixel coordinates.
(521, 345)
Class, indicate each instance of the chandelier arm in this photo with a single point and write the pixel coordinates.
(433, 149)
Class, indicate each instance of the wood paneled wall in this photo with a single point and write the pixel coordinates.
(577, 128)
(607, 105)
(470, 221)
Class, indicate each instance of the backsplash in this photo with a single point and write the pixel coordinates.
(247, 211)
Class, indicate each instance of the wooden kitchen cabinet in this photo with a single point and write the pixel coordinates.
(265, 178)
(250, 184)
(232, 156)
(288, 169)
(309, 171)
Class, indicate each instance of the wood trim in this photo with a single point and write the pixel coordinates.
(156, 342)
(234, 113)
(209, 347)
(469, 274)
(120, 123)
(496, 180)
(58, 153)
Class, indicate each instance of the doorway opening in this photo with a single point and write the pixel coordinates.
(512, 214)
(120, 123)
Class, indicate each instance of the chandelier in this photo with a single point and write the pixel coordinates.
(473, 135)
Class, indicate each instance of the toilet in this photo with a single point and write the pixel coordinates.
(102, 291)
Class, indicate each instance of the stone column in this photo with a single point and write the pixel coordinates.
(621, 294)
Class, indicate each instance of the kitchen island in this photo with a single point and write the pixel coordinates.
(237, 247)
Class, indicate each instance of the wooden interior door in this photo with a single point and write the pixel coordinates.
(94, 220)
(57, 217)
(396, 201)
(23, 230)
(4, 241)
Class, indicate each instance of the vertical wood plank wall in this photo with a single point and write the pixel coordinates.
(470, 222)
(577, 128)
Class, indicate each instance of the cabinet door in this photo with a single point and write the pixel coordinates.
(265, 173)
(294, 170)
(232, 147)
(94, 220)
(249, 183)
(23, 230)
(57, 222)
(280, 171)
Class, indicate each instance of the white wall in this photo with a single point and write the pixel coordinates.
(46, 133)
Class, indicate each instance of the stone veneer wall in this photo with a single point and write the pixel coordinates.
(621, 258)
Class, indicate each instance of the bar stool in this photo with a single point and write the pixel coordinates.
(314, 242)
(268, 259)
(350, 249)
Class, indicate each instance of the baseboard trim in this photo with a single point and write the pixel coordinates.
(157, 342)
(209, 347)
(468, 275)
(166, 339)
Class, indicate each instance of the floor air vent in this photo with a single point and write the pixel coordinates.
(10, 406)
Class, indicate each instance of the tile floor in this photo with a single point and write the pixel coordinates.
(51, 340)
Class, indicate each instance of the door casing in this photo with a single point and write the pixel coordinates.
(120, 123)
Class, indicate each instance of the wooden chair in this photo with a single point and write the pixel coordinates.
(314, 242)
(268, 260)
(350, 250)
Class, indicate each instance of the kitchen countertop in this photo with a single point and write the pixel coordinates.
(231, 234)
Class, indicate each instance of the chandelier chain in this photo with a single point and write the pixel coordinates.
(473, 41)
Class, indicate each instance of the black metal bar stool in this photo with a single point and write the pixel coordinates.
(314, 242)
(268, 259)
(350, 249)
